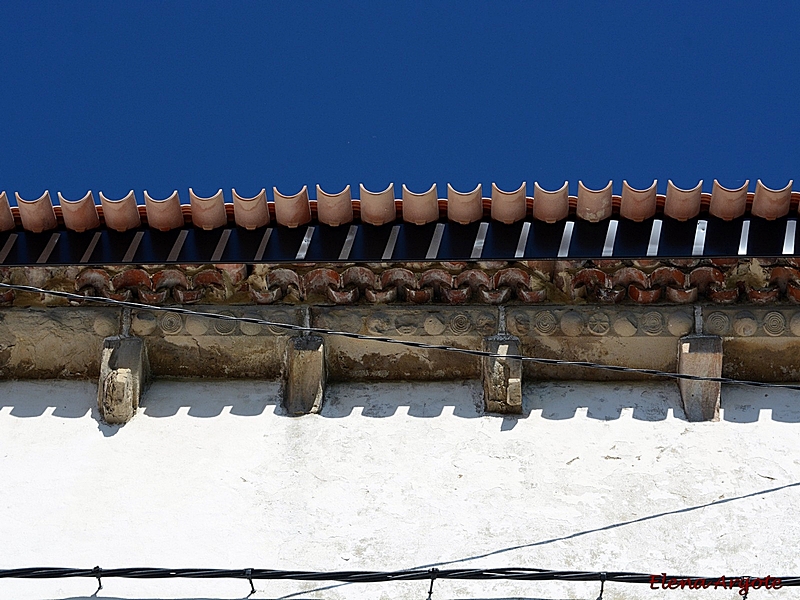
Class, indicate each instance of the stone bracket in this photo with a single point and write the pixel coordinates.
(502, 377)
(305, 375)
(700, 355)
(124, 375)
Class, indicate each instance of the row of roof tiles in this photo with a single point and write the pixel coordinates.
(378, 208)
(608, 282)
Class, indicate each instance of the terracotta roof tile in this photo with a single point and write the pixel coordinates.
(37, 215)
(292, 211)
(208, 213)
(420, 208)
(637, 205)
(378, 208)
(682, 204)
(771, 204)
(464, 207)
(6, 216)
(521, 282)
(727, 203)
(591, 226)
(334, 209)
(550, 206)
(508, 207)
(164, 214)
(250, 213)
(594, 205)
(122, 214)
(79, 215)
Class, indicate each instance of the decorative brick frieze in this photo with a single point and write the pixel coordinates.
(760, 342)
(591, 321)
(444, 323)
(168, 324)
(754, 322)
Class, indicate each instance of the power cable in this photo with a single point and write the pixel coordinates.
(389, 340)
(515, 574)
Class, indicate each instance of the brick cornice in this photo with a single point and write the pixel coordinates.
(731, 281)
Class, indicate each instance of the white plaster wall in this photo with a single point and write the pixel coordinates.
(392, 476)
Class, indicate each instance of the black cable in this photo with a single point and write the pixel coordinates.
(516, 574)
(434, 573)
(389, 340)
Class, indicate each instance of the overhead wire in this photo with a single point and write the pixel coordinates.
(389, 340)
(513, 573)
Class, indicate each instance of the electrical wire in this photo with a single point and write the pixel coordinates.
(516, 574)
(389, 340)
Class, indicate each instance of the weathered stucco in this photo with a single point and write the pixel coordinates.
(65, 342)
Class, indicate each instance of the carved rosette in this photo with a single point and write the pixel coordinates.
(588, 321)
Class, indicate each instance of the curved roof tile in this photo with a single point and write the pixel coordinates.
(208, 213)
(292, 211)
(680, 204)
(550, 206)
(79, 215)
(420, 208)
(6, 216)
(120, 215)
(728, 204)
(771, 204)
(594, 205)
(334, 209)
(250, 213)
(637, 205)
(37, 215)
(464, 207)
(164, 214)
(377, 208)
(508, 207)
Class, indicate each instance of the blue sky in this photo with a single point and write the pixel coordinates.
(115, 96)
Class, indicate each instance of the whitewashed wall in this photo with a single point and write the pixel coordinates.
(396, 475)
